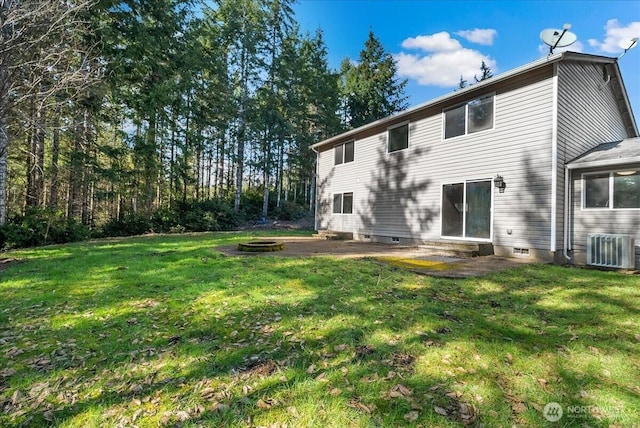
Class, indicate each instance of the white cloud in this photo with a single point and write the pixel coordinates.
(442, 61)
(438, 42)
(443, 68)
(614, 33)
(481, 36)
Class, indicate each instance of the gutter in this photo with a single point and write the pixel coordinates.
(554, 162)
(315, 188)
(566, 246)
(604, 163)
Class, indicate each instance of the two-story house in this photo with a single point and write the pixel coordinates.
(532, 161)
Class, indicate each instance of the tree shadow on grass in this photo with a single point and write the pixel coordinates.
(219, 348)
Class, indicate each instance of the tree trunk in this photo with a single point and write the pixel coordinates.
(265, 195)
(30, 190)
(55, 155)
(39, 154)
(74, 202)
(209, 171)
(150, 161)
(239, 165)
(279, 172)
(86, 153)
(4, 146)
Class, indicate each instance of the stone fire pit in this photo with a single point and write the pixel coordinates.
(262, 246)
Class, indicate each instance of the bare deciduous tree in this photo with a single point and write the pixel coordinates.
(43, 52)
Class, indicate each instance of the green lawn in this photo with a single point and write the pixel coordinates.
(165, 331)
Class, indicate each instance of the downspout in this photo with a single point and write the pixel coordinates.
(567, 213)
(554, 161)
(315, 190)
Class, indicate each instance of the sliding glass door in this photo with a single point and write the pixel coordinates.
(466, 210)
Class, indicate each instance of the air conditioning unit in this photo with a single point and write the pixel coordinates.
(609, 250)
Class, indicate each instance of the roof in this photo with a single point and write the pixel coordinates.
(623, 99)
(616, 153)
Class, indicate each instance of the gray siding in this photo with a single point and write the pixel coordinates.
(584, 222)
(398, 194)
(588, 115)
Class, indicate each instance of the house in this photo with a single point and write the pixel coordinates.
(532, 163)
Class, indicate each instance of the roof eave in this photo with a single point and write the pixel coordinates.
(604, 163)
(458, 93)
(627, 103)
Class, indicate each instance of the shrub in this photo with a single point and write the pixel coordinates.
(290, 211)
(251, 204)
(164, 219)
(212, 215)
(40, 227)
(128, 225)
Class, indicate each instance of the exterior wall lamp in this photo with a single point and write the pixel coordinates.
(498, 181)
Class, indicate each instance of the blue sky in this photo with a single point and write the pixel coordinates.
(435, 42)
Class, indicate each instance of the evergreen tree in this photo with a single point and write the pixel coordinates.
(462, 84)
(370, 88)
(485, 73)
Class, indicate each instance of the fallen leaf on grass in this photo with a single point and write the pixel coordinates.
(208, 393)
(594, 350)
(412, 416)
(400, 391)
(219, 407)
(265, 404)
(182, 416)
(454, 394)
(441, 411)
(311, 369)
(519, 407)
(16, 397)
(468, 413)
(358, 405)
(335, 391)
(13, 352)
(7, 372)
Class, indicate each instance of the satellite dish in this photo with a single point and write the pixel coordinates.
(558, 38)
(627, 45)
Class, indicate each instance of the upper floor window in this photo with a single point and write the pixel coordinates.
(474, 116)
(398, 138)
(343, 153)
(612, 190)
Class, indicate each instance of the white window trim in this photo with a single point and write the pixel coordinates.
(353, 203)
(398, 125)
(344, 153)
(464, 218)
(466, 118)
(583, 191)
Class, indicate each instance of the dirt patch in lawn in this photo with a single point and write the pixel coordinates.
(6, 262)
(414, 259)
